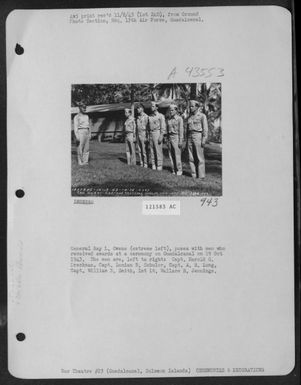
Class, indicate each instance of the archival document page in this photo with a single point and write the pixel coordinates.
(150, 192)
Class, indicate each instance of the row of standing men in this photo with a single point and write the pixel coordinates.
(151, 129)
(148, 132)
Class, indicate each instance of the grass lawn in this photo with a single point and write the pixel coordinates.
(108, 174)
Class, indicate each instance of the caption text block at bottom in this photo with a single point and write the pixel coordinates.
(161, 207)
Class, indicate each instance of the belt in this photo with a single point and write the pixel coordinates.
(155, 130)
(83, 128)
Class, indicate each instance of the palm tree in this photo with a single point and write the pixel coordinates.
(169, 91)
(193, 91)
(209, 95)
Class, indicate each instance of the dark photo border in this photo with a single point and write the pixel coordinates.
(6, 6)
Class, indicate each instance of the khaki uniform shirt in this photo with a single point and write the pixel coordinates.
(175, 126)
(130, 125)
(142, 122)
(81, 121)
(198, 123)
(157, 123)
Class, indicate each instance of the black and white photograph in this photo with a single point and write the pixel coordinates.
(146, 139)
(138, 248)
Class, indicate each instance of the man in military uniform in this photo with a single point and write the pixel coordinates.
(156, 133)
(197, 133)
(142, 133)
(82, 131)
(130, 137)
(175, 132)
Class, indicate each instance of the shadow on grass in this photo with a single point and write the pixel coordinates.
(95, 155)
(123, 160)
(186, 173)
(108, 175)
(166, 168)
(213, 167)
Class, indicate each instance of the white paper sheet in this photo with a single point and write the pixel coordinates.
(237, 319)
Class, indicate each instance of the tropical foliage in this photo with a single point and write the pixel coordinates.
(208, 94)
(210, 97)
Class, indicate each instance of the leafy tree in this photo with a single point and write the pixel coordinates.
(170, 91)
(193, 92)
(93, 94)
(210, 95)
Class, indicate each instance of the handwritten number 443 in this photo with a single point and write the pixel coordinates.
(213, 202)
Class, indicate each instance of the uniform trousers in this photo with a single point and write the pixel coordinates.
(174, 153)
(142, 148)
(156, 149)
(83, 136)
(196, 154)
(130, 149)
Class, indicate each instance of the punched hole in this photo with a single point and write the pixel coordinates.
(19, 49)
(20, 193)
(20, 336)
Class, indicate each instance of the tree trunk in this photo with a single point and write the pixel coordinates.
(132, 99)
(193, 91)
(172, 92)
